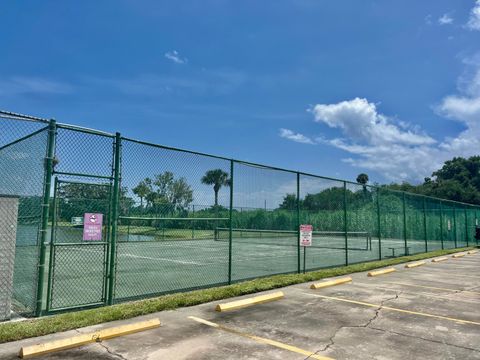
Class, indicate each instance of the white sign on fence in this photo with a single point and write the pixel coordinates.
(306, 235)
(77, 220)
(449, 225)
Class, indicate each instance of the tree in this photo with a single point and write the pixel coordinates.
(142, 190)
(458, 179)
(217, 178)
(328, 199)
(362, 179)
(175, 193)
(289, 202)
(75, 199)
(165, 191)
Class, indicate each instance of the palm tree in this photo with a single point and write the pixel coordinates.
(142, 190)
(362, 179)
(217, 178)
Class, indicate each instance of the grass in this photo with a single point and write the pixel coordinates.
(13, 331)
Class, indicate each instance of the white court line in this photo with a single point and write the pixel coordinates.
(149, 258)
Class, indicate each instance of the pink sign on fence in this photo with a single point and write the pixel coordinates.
(92, 226)
(306, 232)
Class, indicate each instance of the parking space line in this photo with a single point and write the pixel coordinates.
(461, 321)
(422, 294)
(459, 265)
(261, 340)
(439, 273)
(432, 287)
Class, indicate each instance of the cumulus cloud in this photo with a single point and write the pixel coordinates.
(445, 19)
(377, 142)
(297, 137)
(395, 149)
(464, 108)
(175, 57)
(474, 19)
(360, 121)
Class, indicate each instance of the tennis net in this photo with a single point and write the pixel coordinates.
(356, 240)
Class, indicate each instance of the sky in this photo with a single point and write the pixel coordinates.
(333, 88)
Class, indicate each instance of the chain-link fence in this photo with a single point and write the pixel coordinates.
(23, 146)
(124, 219)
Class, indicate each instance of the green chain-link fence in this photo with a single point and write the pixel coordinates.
(23, 146)
(173, 220)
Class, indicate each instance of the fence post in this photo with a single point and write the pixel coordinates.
(379, 224)
(405, 225)
(230, 225)
(52, 129)
(298, 224)
(193, 222)
(52, 238)
(466, 224)
(441, 223)
(455, 224)
(345, 220)
(114, 218)
(425, 222)
(476, 222)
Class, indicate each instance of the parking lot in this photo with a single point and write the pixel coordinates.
(429, 312)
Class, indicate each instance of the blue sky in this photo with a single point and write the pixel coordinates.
(328, 87)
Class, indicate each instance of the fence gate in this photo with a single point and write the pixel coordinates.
(80, 233)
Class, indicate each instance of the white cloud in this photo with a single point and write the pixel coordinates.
(297, 137)
(32, 85)
(396, 149)
(175, 57)
(359, 120)
(474, 19)
(445, 19)
(212, 82)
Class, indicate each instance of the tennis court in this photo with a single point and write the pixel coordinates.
(176, 219)
(149, 265)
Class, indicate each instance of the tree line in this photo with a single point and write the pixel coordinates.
(458, 179)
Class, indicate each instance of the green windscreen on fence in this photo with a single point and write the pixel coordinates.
(169, 220)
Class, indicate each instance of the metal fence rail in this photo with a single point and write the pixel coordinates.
(174, 220)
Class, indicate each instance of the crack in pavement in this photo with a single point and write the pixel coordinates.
(102, 345)
(366, 325)
(111, 352)
(425, 339)
(444, 294)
